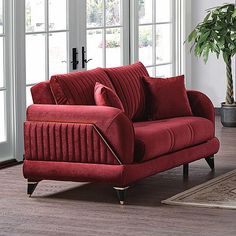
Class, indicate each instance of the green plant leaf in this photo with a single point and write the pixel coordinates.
(192, 35)
(207, 17)
(226, 57)
(206, 53)
(216, 33)
(233, 52)
(204, 37)
(234, 14)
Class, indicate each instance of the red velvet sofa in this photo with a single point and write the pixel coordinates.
(68, 138)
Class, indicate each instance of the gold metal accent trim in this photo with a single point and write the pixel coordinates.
(106, 143)
(32, 182)
(120, 188)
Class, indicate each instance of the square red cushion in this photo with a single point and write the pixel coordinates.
(105, 96)
(166, 98)
(77, 88)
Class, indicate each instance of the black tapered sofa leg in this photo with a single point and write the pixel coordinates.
(185, 170)
(121, 192)
(210, 162)
(31, 187)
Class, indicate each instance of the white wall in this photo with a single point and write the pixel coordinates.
(209, 78)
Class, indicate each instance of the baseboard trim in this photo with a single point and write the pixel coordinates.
(9, 163)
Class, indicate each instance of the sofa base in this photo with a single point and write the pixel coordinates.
(118, 175)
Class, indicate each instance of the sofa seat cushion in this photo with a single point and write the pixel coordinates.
(127, 81)
(77, 88)
(155, 138)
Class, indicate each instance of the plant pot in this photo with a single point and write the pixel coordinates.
(228, 115)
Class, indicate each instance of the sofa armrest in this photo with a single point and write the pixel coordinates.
(92, 125)
(201, 105)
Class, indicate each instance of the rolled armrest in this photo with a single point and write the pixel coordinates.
(111, 123)
(201, 105)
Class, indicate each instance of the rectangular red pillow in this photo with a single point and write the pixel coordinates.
(166, 98)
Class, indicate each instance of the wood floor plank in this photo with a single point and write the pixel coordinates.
(65, 208)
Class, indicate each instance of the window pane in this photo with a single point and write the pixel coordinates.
(35, 58)
(2, 117)
(1, 17)
(1, 63)
(163, 10)
(94, 13)
(29, 100)
(163, 43)
(145, 11)
(112, 12)
(151, 71)
(57, 14)
(94, 48)
(35, 15)
(57, 53)
(145, 44)
(113, 48)
(164, 71)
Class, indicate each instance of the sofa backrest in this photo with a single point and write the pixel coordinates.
(77, 88)
(42, 94)
(127, 81)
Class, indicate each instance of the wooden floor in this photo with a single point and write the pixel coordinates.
(60, 208)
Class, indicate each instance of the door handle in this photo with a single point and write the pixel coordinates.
(84, 60)
(74, 61)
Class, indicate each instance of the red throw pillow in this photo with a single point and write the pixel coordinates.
(105, 96)
(167, 98)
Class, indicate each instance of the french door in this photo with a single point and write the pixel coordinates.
(67, 35)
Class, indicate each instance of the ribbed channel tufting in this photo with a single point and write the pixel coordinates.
(77, 88)
(81, 143)
(127, 81)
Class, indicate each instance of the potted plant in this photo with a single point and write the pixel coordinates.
(217, 34)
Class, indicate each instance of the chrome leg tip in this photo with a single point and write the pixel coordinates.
(122, 202)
